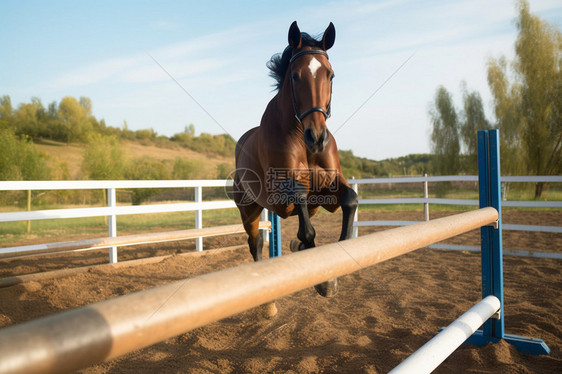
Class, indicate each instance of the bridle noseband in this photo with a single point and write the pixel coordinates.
(299, 116)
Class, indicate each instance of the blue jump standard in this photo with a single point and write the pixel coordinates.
(492, 250)
(274, 235)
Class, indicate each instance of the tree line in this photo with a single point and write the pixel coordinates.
(527, 102)
(104, 158)
(72, 121)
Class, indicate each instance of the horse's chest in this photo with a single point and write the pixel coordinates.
(315, 179)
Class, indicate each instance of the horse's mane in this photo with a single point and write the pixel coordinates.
(279, 62)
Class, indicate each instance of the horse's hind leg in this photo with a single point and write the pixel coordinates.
(251, 221)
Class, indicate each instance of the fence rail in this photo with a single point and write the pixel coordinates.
(107, 184)
(116, 210)
(459, 178)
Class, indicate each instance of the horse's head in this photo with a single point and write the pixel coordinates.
(310, 75)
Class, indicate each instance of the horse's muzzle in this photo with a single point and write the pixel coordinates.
(316, 143)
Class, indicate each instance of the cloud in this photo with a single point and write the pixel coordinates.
(217, 43)
(93, 73)
(189, 58)
(151, 72)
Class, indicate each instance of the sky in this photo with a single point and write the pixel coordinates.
(167, 64)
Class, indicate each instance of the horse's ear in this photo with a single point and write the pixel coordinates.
(329, 37)
(295, 39)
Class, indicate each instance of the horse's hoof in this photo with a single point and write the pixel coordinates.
(296, 245)
(327, 289)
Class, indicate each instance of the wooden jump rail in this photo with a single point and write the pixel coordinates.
(81, 337)
(125, 240)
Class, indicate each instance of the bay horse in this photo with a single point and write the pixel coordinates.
(289, 164)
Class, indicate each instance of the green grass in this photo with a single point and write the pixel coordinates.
(523, 194)
(529, 195)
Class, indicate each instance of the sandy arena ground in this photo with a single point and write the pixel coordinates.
(379, 317)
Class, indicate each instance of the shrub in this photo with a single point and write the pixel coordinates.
(19, 159)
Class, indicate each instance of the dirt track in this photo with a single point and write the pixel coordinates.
(381, 315)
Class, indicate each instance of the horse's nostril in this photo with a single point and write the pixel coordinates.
(309, 137)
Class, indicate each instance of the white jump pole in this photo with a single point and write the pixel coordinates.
(435, 351)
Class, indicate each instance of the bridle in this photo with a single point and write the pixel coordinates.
(299, 116)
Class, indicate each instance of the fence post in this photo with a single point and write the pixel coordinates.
(426, 196)
(199, 218)
(355, 232)
(112, 223)
(29, 210)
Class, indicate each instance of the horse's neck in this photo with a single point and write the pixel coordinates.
(279, 117)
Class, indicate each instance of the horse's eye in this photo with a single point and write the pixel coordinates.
(295, 77)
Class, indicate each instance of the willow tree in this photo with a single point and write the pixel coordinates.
(528, 109)
(507, 98)
(473, 119)
(445, 134)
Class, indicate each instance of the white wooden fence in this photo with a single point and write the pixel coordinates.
(112, 210)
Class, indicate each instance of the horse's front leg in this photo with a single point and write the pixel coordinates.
(348, 202)
(306, 235)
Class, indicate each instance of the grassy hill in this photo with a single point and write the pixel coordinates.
(65, 160)
(66, 141)
(71, 156)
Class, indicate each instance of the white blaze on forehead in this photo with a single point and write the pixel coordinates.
(314, 65)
